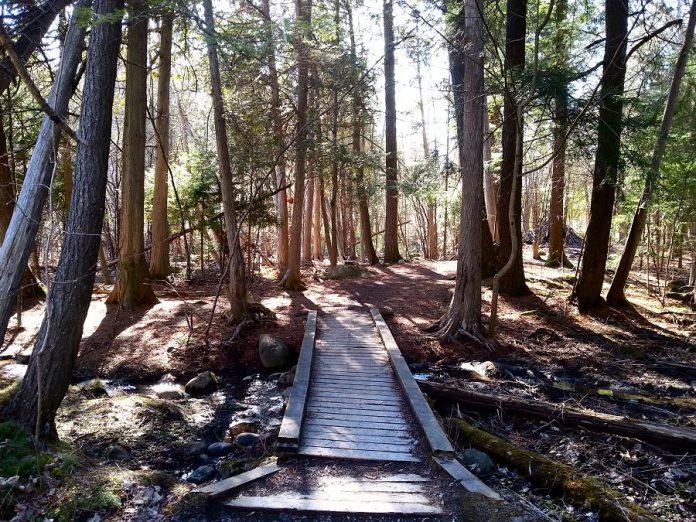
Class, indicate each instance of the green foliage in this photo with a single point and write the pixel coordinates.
(17, 454)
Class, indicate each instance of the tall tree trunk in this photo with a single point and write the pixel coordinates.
(50, 367)
(279, 138)
(391, 208)
(26, 217)
(431, 214)
(556, 255)
(589, 287)
(308, 218)
(159, 256)
(692, 242)
(131, 288)
(318, 196)
(464, 314)
(512, 282)
(7, 186)
(303, 12)
(367, 245)
(237, 291)
(616, 291)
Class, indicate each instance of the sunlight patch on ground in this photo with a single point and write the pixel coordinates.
(276, 303)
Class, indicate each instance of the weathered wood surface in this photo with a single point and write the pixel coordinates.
(222, 487)
(355, 409)
(434, 434)
(289, 435)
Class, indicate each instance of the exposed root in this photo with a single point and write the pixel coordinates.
(449, 331)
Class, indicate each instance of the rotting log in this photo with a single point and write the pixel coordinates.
(559, 478)
(563, 414)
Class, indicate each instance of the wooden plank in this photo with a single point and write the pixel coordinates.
(379, 477)
(367, 411)
(222, 487)
(361, 445)
(437, 440)
(357, 433)
(289, 435)
(357, 418)
(467, 479)
(356, 394)
(344, 484)
(337, 453)
(325, 380)
(316, 421)
(280, 503)
(352, 403)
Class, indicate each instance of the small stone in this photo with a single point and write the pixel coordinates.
(169, 392)
(273, 352)
(387, 312)
(287, 378)
(203, 458)
(247, 439)
(217, 449)
(478, 462)
(201, 474)
(204, 383)
(116, 452)
(241, 427)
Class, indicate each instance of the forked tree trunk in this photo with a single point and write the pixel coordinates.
(50, 367)
(616, 291)
(391, 207)
(237, 291)
(131, 288)
(513, 282)
(490, 195)
(589, 287)
(26, 217)
(303, 11)
(159, 256)
(279, 138)
(464, 314)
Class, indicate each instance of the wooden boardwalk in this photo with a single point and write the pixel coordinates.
(354, 400)
(355, 408)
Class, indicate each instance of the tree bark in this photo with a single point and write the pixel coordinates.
(589, 287)
(237, 291)
(308, 219)
(131, 288)
(303, 12)
(616, 294)
(35, 24)
(279, 138)
(512, 282)
(26, 217)
(50, 367)
(318, 197)
(490, 195)
(464, 313)
(159, 256)
(391, 210)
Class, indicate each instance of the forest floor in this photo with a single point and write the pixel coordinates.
(135, 448)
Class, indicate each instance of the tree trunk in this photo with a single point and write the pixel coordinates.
(391, 208)
(131, 288)
(50, 367)
(464, 314)
(512, 282)
(616, 291)
(589, 287)
(237, 291)
(308, 219)
(318, 196)
(303, 12)
(279, 137)
(159, 256)
(489, 192)
(26, 217)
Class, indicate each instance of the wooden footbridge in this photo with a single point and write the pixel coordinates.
(365, 431)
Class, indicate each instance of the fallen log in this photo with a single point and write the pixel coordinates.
(559, 478)
(563, 414)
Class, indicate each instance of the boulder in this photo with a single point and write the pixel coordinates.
(478, 462)
(202, 384)
(118, 453)
(343, 272)
(274, 352)
(387, 312)
(191, 449)
(287, 378)
(247, 439)
(169, 392)
(201, 474)
(676, 284)
(218, 449)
